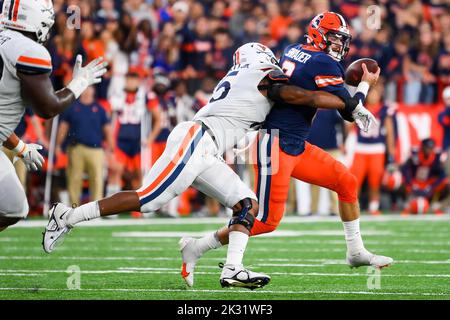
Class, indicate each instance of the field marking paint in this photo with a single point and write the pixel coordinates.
(284, 292)
(324, 261)
(72, 248)
(196, 221)
(277, 233)
(137, 270)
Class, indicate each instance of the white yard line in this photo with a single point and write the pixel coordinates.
(277, 233)
(137, 270)
(71, 249)
(120, 258)
(185, 221)
(246, 292)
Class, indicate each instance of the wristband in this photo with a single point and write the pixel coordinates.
(77, 86)
(363, 87)
(20, 149)
(350, 105)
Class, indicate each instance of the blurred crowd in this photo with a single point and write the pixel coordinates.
(166, 57)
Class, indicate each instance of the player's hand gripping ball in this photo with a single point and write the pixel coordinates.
(354, 72)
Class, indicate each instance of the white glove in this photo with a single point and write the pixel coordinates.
(364, 118)
(83, 77)
(30, 155)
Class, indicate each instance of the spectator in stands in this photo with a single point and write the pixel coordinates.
(85, 125)
(130, 109)
(419, 67)
(425, 176)
(163, 107)
(444, 120)
(327, 133)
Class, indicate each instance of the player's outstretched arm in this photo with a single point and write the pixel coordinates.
(37, 89)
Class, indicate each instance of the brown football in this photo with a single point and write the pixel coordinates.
(354, 72)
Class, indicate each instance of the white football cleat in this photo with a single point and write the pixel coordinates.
(56, 228)
(190, 256)
(238, 276)
(365, 258)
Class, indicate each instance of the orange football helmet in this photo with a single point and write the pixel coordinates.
(329, 32)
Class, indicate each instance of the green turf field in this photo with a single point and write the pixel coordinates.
(305, 260)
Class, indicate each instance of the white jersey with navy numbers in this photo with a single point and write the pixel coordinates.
(17, 53)
(237, 106)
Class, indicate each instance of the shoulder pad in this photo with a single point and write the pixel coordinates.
(34, 59)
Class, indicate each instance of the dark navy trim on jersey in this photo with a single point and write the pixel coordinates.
(31, 70)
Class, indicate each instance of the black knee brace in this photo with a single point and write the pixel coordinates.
(243, 217)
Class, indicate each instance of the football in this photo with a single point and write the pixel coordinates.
(354, 72)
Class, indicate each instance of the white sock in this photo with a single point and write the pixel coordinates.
(236, 247)
(85, 212)
(374, 205)
(208, 242)
(353, 237)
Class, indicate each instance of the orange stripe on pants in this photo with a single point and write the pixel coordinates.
(182, 149)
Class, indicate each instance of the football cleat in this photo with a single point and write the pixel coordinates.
(365, 258)
(57, 228)
(238, 276)
(190, 256)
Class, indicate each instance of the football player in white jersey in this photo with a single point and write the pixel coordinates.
(240, 103)
(25, 66)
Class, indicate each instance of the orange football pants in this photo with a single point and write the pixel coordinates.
(370, 166)
(274, 169)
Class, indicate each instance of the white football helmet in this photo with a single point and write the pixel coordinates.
(36, 16)
(254, 52)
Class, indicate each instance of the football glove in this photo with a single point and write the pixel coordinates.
(364, 118)
(30, 155)
(83, 77)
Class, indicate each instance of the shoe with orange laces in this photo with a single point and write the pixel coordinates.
(438, 212)
(136, 215)
(190, 255)
(375, 213)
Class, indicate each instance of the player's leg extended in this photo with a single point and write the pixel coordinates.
(172, 173)
(220, 182)
(318, 167)
(13, 201)
(271, 211)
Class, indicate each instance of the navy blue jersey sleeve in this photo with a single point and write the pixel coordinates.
(328, 75)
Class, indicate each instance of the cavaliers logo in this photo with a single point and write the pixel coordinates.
(316, 21)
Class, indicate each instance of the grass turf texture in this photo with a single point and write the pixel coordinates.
(305, 261)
